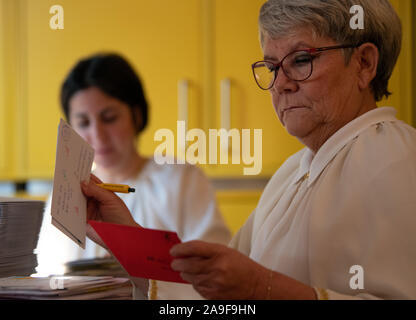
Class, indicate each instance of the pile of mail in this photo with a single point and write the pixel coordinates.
(95, 267)
(65, 288)
(20, 222)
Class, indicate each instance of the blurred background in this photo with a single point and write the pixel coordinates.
(186, 52)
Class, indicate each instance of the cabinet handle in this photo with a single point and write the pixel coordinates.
(183, 86)
(225, 92)
(226, 104)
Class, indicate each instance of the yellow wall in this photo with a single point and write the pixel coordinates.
(236, 206)
(401, 83)
(192, 40)
(202, 41)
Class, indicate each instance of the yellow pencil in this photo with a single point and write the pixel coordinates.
(116, 187)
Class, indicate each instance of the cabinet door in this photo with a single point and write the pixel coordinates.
(236, 206)
(5, 143)
(236, 47)
(12, 102)
(402, 83)
(201, 41)
(160, 39)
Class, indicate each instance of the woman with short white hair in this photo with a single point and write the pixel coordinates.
(337, 219)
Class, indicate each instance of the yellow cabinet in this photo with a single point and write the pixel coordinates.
(11, 139)
(201, 42)
(235, 47)
(158, 38)
(5, 148)
(402, 84)
(236, 206)
(207, 44)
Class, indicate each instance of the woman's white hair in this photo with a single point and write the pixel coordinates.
(331, 18)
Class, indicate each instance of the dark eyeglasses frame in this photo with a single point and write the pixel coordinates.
(277, 66)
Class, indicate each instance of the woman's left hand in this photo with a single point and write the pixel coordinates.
(219, 272)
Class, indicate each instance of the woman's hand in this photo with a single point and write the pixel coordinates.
(218, 272)
(104, 205)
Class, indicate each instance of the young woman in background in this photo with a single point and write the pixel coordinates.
(104, 101)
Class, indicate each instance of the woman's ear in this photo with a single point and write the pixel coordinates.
(137, 118)
(367, 56)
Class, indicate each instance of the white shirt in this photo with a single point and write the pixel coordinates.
(353, 203)
(168, 197)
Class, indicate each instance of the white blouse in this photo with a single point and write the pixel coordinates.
(352, 203)
(168, 197)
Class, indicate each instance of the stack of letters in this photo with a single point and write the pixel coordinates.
(65, 288)
(95, 267)
(20, 222)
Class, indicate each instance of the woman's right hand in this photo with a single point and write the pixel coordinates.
(104, 205)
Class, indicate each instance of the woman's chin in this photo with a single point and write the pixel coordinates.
(106, 163)
(297, 130)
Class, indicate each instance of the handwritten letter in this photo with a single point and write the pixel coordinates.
(74, 159)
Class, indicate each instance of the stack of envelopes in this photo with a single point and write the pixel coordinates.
(65, 288)
(20, 222)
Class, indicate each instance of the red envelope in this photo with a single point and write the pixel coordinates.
(142, 252)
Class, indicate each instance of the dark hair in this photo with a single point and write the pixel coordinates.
(112, 74)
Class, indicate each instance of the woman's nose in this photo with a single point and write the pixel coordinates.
(283, 83)
(98, 133)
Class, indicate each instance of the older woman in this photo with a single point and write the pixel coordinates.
(337, 219)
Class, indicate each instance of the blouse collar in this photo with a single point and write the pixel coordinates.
(311, 166)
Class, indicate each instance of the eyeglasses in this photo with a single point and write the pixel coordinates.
(297, 66)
